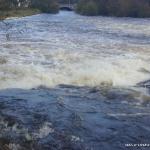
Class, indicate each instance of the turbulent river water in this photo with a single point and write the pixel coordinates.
(74, 82)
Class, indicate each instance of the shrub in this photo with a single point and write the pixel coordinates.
(122, 8)
(6, 4)
(89, 8)
(46, 6)
(13, 4)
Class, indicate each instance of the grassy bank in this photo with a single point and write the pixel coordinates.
(18, 13)
(119, 8)
(11, 9)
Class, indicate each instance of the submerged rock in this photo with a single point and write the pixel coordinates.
(3, 60)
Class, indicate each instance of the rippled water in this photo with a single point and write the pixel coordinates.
(74, 82)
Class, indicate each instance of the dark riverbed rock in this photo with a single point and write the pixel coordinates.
(145, 84)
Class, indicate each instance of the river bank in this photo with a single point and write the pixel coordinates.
(18, 13)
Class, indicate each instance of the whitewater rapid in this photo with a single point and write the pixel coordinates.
(71, 82)
(49, 50)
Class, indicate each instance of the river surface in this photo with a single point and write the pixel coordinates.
(70, 82)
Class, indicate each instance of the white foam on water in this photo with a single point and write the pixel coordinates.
(71, 49)
(13, 146)
(44, 131)
(74, 69)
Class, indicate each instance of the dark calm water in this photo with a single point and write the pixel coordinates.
(69, 82)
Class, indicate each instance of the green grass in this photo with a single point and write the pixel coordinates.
(18, 13)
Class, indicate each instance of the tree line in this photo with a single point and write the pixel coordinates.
(120, 8)
(49, 6)
(43, 5)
